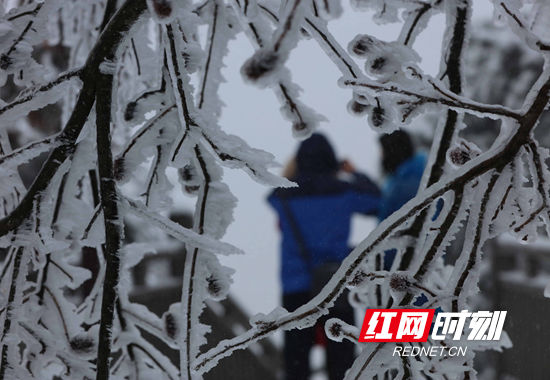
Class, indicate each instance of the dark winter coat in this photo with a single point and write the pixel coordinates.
(322, 206)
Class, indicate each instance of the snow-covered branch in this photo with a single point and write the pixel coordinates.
(418, 98)
(132, 126)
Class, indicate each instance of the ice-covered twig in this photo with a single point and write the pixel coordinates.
(28, 152)
(178, 232)
(318, 30)
(181, 89)
(458, 103)
(338, 330)
(161, 361)
(39, 96)
(334, 50)
(416, 21)
(287, 24)
(5, 59)
(303, 119)
(520, 28)
(542, 181)
(32, 12)
(138, 136)
(218, 38)
(453, 71)
(189, 299)
(112, 222)
(108, 12)
(445, 230)
(14, 291)
(477, 218)
(253, 161)
(151, 326)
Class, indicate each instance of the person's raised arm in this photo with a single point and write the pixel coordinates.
(364, 192)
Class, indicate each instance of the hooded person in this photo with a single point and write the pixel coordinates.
(403, 167)
(315, 223)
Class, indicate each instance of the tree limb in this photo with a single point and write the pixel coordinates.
(106, 46)
(112, 220)
(459, 103)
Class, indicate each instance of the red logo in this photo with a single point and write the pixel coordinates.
(396, 325)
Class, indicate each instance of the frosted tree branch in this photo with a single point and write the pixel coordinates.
(136, 62)
(453, 102)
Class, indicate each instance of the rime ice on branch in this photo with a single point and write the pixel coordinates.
(121, 74)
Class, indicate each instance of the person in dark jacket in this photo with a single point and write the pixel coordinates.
(403, 168)
(315, 220)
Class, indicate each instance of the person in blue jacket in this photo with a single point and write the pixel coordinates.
(315, 220)
(403, 168)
